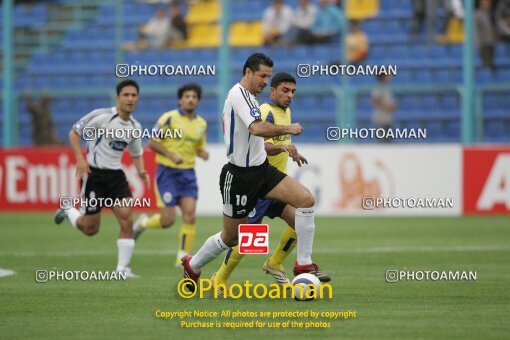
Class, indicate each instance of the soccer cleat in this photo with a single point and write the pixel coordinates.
(276, 272)
(59, 216)
(220, 291)
(311, 268)
(128, 273)
(137, 227)
(189, 273)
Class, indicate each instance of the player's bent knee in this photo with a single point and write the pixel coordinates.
(306, 200)
(309, 201)
(231, 242)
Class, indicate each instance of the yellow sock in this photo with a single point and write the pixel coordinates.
(153, 222)
(231, 261)
(288, 241)
(186, 237)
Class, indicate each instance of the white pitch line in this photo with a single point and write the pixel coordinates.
(6, 272)
(369, 250)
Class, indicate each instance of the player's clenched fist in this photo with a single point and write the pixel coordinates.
(295, 129)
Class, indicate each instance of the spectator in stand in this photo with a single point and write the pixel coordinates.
(357, 44)
(153, 34)
(328, 23)
(418, 17)
(304, 18)
(503, 20)
(276, 22)
(178, 28)
(384, 104)
(454, 9)
(337, 3)
(166, 2)
(43, 129)
(485, 36)
(425, 12)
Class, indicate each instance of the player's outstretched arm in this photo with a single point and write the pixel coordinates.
(264, 129)
(157, 147)
(300, 160)
(140, 168)
(203, 153)
(273, 150)
(296, 156)
(82, 167)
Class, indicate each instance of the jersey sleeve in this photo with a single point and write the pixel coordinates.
(244, 107)
(267, 116)
(202, 141)
(93, 119)
(135, 146)
(162, 124)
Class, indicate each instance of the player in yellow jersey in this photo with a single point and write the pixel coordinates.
(279, 149)
(176, 182)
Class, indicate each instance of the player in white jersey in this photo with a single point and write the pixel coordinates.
(248, 176)
(108, 133)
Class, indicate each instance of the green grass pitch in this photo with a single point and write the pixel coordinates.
(355, 251)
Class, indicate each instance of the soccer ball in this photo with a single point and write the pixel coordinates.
(306, 287)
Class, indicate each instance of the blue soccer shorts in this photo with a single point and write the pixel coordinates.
(172, 184)
(265, 208)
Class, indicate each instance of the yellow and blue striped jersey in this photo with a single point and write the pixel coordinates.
(193, 138)
(277, 116)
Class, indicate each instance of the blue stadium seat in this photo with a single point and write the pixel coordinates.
(87, 55)
(423, 76)
(503, 75)
(493, 130)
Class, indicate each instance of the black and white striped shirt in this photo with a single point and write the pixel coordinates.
(240, 110)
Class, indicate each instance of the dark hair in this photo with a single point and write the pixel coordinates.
(127, 82)
(381, 76)
(255, 60)
(189, 87)
(282, 77)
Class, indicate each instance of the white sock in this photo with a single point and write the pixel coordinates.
(72, 215)
(305, 228)
(126, 247)
(211, 249)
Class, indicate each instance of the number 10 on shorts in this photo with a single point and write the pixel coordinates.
(253, 239)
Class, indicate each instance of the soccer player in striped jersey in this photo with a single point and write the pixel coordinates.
(279, 149)
(248, 175)
(176, 182)
(101, 173)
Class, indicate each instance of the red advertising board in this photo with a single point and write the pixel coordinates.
(486, 180)
(34, 179)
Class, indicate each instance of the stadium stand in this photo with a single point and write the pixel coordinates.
(85, 54)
